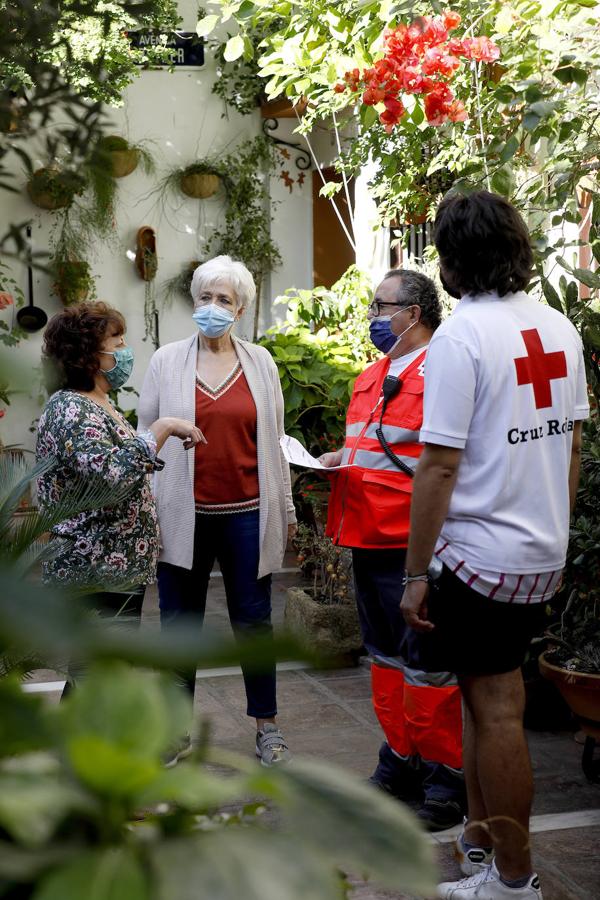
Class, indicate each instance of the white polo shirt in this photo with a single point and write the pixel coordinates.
(505, 382)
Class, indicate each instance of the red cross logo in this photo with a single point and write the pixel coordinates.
(539, 368)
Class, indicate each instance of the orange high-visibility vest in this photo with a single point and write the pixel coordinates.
(369, 505)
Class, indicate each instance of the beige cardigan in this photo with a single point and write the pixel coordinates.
(169, 390)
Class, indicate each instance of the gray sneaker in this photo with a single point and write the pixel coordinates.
(271, 747)
(178, 751)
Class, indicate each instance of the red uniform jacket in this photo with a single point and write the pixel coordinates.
(370, 501)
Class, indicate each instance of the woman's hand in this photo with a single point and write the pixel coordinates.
(292, 531)
(331, 459)
(169, 426)
(189, 433)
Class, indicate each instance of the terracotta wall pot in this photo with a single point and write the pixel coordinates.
(580, 690)
(200, 185)
(331, 631)
(123, 162)
(48, 190)
(282, 108)
(146, 259)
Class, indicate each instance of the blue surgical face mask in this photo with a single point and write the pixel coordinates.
(122, 369)
(382, 335)
(212, 320)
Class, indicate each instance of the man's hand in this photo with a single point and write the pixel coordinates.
(414, 606)
(292, 531)
(334, 458)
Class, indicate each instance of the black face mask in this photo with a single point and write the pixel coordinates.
(448, 288)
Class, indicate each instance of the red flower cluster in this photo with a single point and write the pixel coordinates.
(417, 57)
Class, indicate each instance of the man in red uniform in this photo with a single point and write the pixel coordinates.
(369, 510)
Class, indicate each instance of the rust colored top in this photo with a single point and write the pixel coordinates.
(226, 468)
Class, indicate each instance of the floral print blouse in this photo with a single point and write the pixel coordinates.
(117, 545)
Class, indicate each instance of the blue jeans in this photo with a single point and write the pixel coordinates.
(233, 540)
(378, 587)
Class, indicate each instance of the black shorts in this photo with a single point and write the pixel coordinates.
(474, 635)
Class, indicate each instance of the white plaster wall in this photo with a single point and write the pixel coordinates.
(182, 118)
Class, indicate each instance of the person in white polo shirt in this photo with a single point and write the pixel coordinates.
(505, 394)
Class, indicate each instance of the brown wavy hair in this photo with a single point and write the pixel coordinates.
(483, 245)
(72, 341)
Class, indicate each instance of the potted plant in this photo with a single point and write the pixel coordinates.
(53, 187)
(321, 615)
(72, 280)
(200, 180)
(179, 285)
(122, 158)
(572, 660)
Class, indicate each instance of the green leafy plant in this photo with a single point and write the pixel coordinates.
(575, 640)
(237, 81)
(320, 349)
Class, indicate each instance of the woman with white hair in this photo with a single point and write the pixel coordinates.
(232, 501)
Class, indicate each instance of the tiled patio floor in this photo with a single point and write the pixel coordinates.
(328, 714)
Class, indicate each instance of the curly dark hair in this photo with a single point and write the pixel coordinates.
(483, 245)
(417, 288)
(72, 341)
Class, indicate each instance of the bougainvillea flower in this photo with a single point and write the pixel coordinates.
(481, 49)
(437, 103)
(419, 58)
(456, 47)
(372, 96)
(393, 112)
(457, 111)
(437, 62)
(451, 19)
(6, 300)
(414, 82)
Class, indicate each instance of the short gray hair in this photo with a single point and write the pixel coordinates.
(224, 268)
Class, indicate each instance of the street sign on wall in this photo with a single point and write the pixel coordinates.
(185, 47)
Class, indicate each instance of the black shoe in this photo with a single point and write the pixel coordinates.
(396, 776)
(437, 815)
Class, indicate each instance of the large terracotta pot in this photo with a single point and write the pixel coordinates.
(580, 690)
(200, 185)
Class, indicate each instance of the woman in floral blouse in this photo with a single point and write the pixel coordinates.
(112, 549)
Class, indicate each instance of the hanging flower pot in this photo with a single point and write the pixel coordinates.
(54, 188)
(121, 158)
(282, 108)
(73, 281)
(200, 185)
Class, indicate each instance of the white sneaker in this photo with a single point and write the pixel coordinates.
(486, 885)
(473, 859)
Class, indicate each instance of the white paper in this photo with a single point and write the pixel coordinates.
(297, 455)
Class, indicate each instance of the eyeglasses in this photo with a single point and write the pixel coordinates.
(376, 305)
